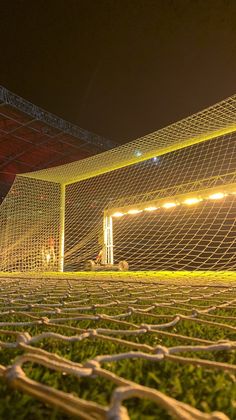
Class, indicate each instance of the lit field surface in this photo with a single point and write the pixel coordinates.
(155, 345)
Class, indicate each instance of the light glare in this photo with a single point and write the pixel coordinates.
(193, 200)
(216, 196)
(189, 201)
(134, 211)
(118, 214)
(138, 153)
(169, 205)
(151, 208)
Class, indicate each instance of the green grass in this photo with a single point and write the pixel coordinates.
(175, 276)
(205, 389)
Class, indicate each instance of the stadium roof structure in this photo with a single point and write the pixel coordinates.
(32, 139)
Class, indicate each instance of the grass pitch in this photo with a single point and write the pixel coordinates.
(192, 316)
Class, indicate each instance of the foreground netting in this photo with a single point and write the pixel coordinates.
(165, 201)
(119, 347)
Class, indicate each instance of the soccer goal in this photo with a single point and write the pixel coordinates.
(166, 201)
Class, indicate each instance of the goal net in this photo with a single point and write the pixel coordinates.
(166, 201)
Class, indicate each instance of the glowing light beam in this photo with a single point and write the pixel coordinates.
(216, 196)
(151, 208)
(118, 214)
(169, 205)
(191, 201)
(134, 211)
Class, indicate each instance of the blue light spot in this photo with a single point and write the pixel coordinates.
(156, 159)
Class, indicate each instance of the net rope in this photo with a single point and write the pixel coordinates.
(137, 318)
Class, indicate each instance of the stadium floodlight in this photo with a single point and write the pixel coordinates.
(191, 201)
(118, 214)
(151, 208)
(134, 211)
(216, 196)
(169, 205)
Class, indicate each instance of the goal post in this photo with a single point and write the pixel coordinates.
(62, 228)
(108, 257)
(164, 201)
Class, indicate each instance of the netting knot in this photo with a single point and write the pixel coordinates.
(11, 311)
(130, 309)
(92, 333)
(23, 337)
(145, 327)
(162, 350)
(44, 320)
(93, 364)
(14, 372)
(195, 312)
(57, 310)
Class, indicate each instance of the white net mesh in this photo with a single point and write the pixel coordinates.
(30, 226)
(115, 349)
(174, 191)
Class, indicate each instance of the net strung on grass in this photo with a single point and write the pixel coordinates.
(165, 201)
(119, 349)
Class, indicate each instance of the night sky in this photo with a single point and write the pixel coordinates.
(119, 68)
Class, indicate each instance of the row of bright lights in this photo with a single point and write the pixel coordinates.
(188, 201)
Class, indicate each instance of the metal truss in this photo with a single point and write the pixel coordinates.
(226, 181)
(37, 113)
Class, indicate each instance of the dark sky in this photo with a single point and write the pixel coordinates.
(120, 68)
